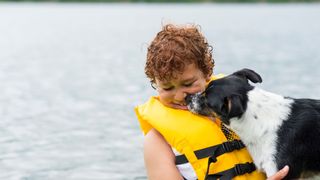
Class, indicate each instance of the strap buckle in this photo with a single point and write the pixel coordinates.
(241, 169)
(212, 159)
(232, 145)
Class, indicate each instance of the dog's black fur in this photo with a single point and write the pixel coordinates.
(299, 138)
(298, 135)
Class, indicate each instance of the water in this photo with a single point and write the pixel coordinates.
(71, 74)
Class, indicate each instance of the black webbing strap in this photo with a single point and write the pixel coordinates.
(213, 151)
(238, 169)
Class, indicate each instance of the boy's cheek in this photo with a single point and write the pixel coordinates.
(199, 88)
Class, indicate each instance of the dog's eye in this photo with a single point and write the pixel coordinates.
(224, 107)
(225, 101)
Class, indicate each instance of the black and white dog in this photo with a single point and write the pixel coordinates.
(277, 130)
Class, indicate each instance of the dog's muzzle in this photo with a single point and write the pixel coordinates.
(197, 104)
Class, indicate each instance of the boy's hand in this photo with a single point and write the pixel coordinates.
(280, 174)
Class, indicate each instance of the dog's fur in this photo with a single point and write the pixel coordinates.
(277, 130)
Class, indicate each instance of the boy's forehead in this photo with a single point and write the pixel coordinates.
(177, 79)
(188, 73)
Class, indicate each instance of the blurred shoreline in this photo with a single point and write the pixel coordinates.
(169, 1)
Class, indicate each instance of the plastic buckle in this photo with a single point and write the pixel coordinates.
(237, 144)
(212, 159)
(243, 168)
(227, 146)
(238, 169)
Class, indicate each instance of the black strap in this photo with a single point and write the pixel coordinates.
(213, 151)
(238, 169)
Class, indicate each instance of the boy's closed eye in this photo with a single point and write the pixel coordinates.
(167, 88)
(188, 84)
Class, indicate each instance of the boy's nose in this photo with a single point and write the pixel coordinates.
(180, 96)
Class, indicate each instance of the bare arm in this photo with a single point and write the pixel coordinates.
(280, 174)
(159, 158)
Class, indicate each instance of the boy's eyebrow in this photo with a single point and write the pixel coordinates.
(189, 79)
(165, 83)
(183, 81)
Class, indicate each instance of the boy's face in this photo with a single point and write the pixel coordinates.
(172, 93)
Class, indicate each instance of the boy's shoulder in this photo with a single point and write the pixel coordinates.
(216, 76)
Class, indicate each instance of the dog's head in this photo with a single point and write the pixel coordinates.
(226, 97)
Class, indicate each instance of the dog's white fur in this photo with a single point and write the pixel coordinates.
(263, 122)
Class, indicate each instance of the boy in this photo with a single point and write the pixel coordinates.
(179, 144)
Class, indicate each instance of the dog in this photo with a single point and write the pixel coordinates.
(276, 130)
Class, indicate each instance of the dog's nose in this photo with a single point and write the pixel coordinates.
(188, 98)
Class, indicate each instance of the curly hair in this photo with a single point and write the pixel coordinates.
(173, 48)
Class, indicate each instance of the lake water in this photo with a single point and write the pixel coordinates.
(70, 75)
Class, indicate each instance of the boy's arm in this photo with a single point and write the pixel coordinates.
(280, 174)
(159, 158)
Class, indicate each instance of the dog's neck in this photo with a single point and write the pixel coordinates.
(264, 114)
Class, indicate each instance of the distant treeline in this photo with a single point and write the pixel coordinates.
(165, 1)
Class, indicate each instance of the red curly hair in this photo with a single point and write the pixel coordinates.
(173, 48)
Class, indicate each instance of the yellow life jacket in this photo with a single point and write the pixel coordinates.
(189, 133)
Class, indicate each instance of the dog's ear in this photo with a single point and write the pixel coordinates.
(249, 74)
(235, 106)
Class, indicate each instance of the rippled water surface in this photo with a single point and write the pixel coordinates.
(70, 75)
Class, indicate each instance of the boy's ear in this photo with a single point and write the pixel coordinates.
(208, 78)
